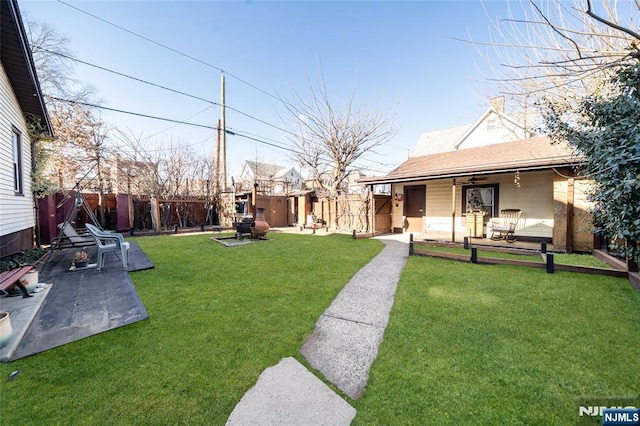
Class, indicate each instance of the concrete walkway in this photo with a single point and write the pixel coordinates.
(342, 348)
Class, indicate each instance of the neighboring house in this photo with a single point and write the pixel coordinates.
(492, 127)
(271, 178)
(20, 94)
(133, 177)
(434, 193)
(353, 185)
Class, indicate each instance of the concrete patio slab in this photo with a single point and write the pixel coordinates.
(22, 311)
(343, 351)
(288, 394)
(77, 304)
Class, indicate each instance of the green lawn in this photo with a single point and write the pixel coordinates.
(466, 343)
(218, 317)
(480, 344)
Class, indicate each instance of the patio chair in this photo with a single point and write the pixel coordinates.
(505, 225)
(70, 238)
(109, 242)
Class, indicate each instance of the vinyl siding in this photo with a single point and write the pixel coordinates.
(439, 206)
(534, 197)
(16, 211)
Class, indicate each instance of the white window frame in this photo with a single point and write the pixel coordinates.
(16, 145)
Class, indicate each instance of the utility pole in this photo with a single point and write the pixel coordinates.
(216, 183)
(223, 137)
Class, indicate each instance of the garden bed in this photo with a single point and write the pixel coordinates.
(26, 257)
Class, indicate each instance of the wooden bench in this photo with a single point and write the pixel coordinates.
(10, 279)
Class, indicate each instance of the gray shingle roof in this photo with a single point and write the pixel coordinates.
(439, 141)
(528, 154)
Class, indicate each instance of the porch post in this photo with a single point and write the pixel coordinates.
(453, 212)
(569, 213)
(372, 210)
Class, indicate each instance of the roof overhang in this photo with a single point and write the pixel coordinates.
(461, 173)
(15, 55)
(526, 155)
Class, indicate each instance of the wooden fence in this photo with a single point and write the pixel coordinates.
(354, 212)
(123, 212)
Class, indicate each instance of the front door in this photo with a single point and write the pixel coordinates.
(414, 205)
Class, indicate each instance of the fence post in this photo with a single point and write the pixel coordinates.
(474, 254)
(543, 247)
(466, 243)
(175, 229)
(353, 234)
(550, 264)
(410, 244)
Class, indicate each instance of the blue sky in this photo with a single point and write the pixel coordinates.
(396, 56)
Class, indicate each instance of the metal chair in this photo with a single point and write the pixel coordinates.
(108, 242)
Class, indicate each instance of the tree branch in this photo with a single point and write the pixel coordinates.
(611, 24)
(556, 30)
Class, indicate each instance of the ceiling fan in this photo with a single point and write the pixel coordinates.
(473, 180)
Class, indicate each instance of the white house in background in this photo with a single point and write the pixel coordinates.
(473, 172)
(271, 178)
(354, 186)
(20, 94)
(492, 127)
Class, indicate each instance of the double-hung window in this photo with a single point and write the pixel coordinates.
(481, 198)
(17, 162)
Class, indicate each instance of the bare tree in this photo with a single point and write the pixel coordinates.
(136, 165)
(329, 138)
(75, 125)
(79, 145)
(582, 65)
(558, 50)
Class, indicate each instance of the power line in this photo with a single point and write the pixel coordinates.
(170, 120)
(257, 136)
(166, 88)
(127, 151)
(173, 90)
(227, 131)
(128, 76)
(262, 141)
(175, 125)
(164, 46)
